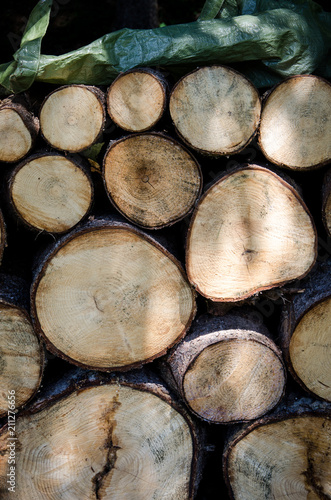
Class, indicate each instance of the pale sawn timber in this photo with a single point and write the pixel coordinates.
(92, 437)
(250, 231)
(72, 117)
(295, 128)
(51, 192)
(137, 98)
(215, 110)
(227, 369)
(19, 128)
(306, 332)
(110, 297)
(21, 352)
(151, 179)
(286, 454)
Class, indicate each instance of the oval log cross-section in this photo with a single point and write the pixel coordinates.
(306, 332)
(227, 369)
(215, 110)
(295, 128)
(286, 455)
(151, 179)
(72, 117)
(110, 441)
(21, 354)
(110, 297)
(18, 129)
(51, 192)
(250, 231)
(136, 99)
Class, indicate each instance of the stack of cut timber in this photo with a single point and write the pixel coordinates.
(189, 316)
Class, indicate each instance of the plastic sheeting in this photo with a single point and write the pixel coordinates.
(267, 40)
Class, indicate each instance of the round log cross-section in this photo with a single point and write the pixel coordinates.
(227, 369)
(111, 439)
(51, 192)
(286, 454)
(250, 232)
(295, 129)
(136, 99)
(110, 297)
(151, 179)
(72, 117)
(215, 110)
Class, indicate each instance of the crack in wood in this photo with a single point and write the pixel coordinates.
(99, 478)
(310, 477)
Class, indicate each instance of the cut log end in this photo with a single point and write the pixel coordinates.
(21, 358)
(111, 441)
(136, 100)
(234, 380)
(249, 232)
(295, 129)
(215, 110)
(72, 117)
(310, 349)
(131, 301)
(151, 179)
(51, 192)
(18, 131)
(286, 459)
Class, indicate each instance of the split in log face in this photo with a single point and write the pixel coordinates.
(250, 232)
(295, 128)
(72, 117)
(111, 298)
(109, 441)
(136, 99)
(285, 459)
(151, 179)
(21, 357)
(215, 110)
(51, 192)
(310, 349)
(18, 130)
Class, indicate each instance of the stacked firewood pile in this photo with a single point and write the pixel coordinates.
(165, 291)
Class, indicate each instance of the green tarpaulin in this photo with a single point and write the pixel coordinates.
(267, 40)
